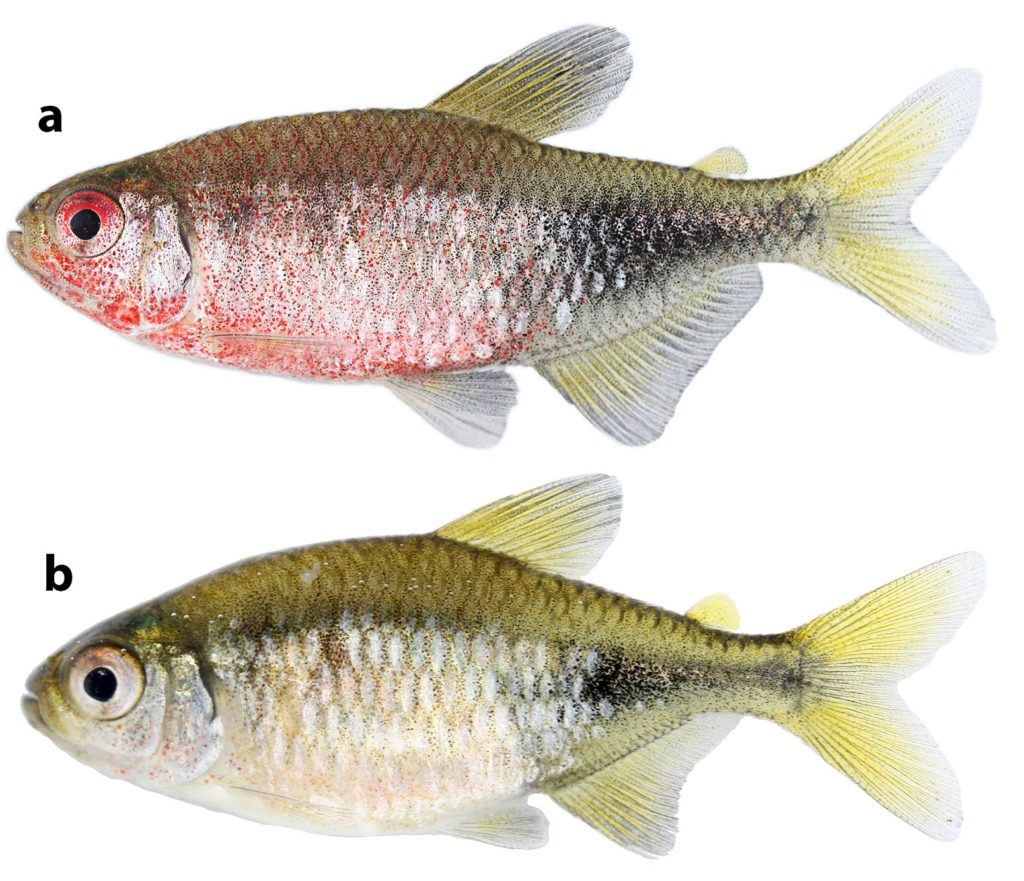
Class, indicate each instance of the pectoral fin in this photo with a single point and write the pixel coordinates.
(562, 527)
(561, 82)
(629, 387)
(470, 407)
(634, 801)
(267, 348)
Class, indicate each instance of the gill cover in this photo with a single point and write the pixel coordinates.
(165, 263)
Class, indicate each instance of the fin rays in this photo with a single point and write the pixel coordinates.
(561, 82)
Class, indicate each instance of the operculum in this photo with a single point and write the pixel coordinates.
(166, 265)
(192, 731)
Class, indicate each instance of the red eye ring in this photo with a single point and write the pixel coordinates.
(88, 223)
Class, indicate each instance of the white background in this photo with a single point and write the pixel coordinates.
(824, 450)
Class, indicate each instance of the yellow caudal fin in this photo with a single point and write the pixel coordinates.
(871, 245)
(852, 714)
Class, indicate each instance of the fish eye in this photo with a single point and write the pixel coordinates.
(85, 224)
(88, 223)
(105, 682)
(100, 684)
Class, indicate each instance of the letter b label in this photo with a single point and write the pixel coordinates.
(58, 576)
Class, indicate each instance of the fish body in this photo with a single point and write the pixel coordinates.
(430, 248)
(404, 242)
(433, 683)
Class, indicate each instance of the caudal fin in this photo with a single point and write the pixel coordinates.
(871, 245)
(852, 713)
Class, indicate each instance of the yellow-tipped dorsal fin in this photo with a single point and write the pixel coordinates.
(722, 163)
(717, 610)
(561, 82)
(562, 527)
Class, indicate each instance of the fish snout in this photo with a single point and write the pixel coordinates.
(16, 238)
(37, 205)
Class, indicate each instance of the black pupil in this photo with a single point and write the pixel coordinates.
(100, 684)
(85, 224)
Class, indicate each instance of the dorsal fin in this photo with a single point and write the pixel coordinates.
(562, 527)
(724, 162)
(561, 82)
(634, 801)
(717, 610)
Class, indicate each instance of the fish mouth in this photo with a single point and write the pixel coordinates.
(64, 291)
(16, 247)
(30, 710)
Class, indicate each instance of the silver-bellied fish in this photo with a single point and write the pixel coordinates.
(427, 249)
(432, 683)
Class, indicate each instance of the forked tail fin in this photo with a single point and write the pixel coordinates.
(871, 245)
(851, 712)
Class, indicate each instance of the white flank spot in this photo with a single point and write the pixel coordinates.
(368, 689)
(375, 649)
(417, 650)
(354, 640)
(312, 648)
(563, 316)
(395, 650)
(408, 692)
(310, 715)
(437, 651)
(481, 651)
(490, 685)
(427, 692)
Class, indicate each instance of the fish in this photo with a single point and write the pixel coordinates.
(431, 684)
(430, 249)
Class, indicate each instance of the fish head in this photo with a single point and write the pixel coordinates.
(112, 243)
(128, 701)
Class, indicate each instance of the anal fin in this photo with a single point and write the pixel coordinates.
(635, 800)
(629, 387)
